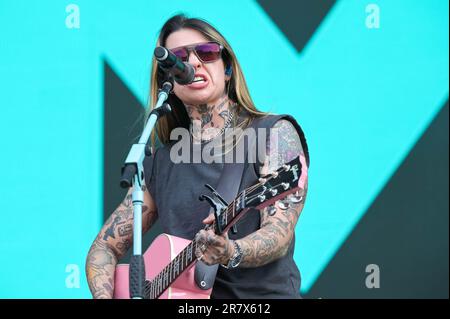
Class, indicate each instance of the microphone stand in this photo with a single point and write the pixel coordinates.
(133, 176)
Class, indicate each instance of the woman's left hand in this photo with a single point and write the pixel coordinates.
(212, 248)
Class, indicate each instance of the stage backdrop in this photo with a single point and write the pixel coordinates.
(367, 80)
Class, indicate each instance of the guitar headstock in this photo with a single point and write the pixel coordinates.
(274, 186)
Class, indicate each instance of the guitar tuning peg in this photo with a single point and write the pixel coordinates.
(271, 210)
(274, 174)
(262, 180)
(296, 198)
(286, 167)
(283, 204)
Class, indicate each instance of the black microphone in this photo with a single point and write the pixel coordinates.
(182, 72)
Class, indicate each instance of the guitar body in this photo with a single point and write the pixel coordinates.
(160, 253)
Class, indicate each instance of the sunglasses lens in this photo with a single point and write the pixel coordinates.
(182, 54)
(208, 52)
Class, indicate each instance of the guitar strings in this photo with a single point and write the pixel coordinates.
(149, 283)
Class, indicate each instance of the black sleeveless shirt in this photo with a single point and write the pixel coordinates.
(175, 188)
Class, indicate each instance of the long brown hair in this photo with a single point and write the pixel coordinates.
(236, 87)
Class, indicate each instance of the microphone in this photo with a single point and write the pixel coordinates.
(183, 73)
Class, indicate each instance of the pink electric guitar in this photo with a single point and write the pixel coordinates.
(170, 261)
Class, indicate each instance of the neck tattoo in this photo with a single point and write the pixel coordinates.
(206, 119)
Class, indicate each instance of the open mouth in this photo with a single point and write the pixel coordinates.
(199, 79)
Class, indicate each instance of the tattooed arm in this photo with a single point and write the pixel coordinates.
(113, 241)
(272, 240)
(276, 231)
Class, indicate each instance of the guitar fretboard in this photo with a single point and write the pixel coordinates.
(155, 287)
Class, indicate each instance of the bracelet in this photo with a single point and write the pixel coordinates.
(235, 260)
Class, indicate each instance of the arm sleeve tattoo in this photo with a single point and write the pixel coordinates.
(276, 231)
(111, 244)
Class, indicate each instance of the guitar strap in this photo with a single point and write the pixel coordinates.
(229, 183)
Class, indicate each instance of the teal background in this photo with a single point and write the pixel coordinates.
(363, 97)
